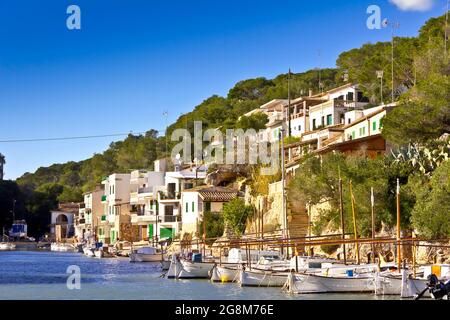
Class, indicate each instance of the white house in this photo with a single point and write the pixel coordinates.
(62, 221)
(89, 214)
(116, 200)
(202, 199)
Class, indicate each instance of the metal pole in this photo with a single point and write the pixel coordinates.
(399, 247)
(341, 209)
(289, 103)
(283, 179)
(392, 64)
(381, 90)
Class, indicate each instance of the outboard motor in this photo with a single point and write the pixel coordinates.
(438, 289)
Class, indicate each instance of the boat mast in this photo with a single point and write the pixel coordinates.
(399, 247)
(341, 209)
(355, 231)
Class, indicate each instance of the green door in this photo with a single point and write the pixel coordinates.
(113, 236)
(150, 231)
(167, 233)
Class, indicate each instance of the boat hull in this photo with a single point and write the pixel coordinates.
(7, 246)
(392, 285)
(312, 283)
(262, 278)
(139, 257)
(195, 270)
(225, 273)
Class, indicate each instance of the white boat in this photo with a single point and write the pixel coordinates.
(103, 252)
(407, 286)
(89, 252)
(261, 278)
(62, 247)
(225, 273)
(174, 268)
(146, 254)
(399, 285)
(7, 246)
(195, 270)
(356, 279)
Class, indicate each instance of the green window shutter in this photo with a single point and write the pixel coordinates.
(374, 126)
(381, 123)
(193, 206)
(167, 233)
(187, 207)
(329, 119)
(353, 135)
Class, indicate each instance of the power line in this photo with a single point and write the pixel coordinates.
(75, 137)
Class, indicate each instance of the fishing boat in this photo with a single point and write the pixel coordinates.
(146, 254)
(89, 251)
(229, 271)
(192, 269)
(62, 247)
(350, 279)
(103, 252)
(174, 268)
(261, 278)
(405, 284)
(7, 246)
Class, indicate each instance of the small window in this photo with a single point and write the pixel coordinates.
(353, 135)
(350, 96)
(374, 126)
(193, 206)
(329, 120)
(187, 207)
(314, 124)
(381, 123)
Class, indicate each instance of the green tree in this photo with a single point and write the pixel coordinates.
(236, 213)
(431, 214)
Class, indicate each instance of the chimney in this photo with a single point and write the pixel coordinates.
(310, 93)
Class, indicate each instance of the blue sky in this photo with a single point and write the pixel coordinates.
(134, 59)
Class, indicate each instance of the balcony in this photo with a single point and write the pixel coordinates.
(168, 219)
(169, 195)
(145, 190)
(104, 198)
(103, 219)
(143, 219)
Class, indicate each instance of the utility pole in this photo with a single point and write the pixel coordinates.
(394, 25)
(283, 178)
(166, 114)
(380, 74)
(446, 29)
(289, 103)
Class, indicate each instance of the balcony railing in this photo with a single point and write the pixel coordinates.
(145, 190)
(169, 196)
(170, 219)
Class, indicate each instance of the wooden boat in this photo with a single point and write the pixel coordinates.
(356, 279)
(195, 270)
(146, 254)
(89, 251)
(261, 278)
(7, 246)
(225, 273)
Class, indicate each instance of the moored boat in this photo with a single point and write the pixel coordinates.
(195, 270)
(261, 278)
(146, 254)
(349, 279)
(7, 246)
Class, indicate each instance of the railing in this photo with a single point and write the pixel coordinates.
(169, 196)
(171, 219)
(145, 190)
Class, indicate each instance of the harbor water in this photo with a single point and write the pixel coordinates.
(42, 275)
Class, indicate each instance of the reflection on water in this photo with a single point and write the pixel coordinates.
(42, 275)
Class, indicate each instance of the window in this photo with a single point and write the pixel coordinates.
(208, 206)
(187, 207)
(350, 96)
(299, 128)
(329, 120)
(353, 135)
(381, 123)
(193, 206)
(314, 124)
(323, 121)
(374, 126)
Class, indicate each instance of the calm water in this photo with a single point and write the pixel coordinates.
(42, 275)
